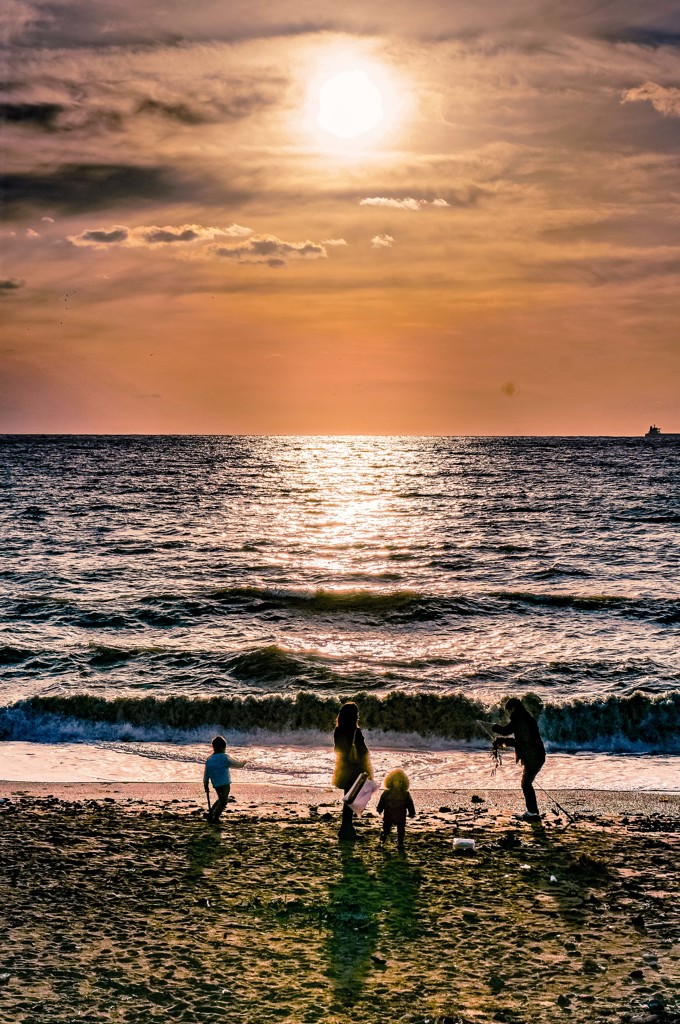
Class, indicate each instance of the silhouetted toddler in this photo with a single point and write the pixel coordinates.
(395, 803)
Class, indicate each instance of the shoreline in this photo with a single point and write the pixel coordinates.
(251, 796)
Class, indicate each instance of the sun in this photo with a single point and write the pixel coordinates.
(350, 104)
(356, 106)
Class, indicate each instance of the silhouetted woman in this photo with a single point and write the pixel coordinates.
(529, 750)
(351, 759)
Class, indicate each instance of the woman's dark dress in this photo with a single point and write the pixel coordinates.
(351, 759)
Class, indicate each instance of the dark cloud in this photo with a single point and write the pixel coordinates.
(10, 284)
(112, 237)
(81, 23)
(272, 251)
(239, 106)
(37, 115)
(168, 235)
(78, 188)
(60, 117)
(655, 38)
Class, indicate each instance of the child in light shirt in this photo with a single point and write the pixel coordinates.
(217, 771)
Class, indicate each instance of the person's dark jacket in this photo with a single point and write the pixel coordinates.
(351, 758)
(528, 744)
(395, 804)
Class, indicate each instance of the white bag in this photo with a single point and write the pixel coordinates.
(360, 793)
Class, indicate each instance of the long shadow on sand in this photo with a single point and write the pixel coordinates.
(359, 905)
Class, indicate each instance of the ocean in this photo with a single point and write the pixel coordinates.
(155, 589)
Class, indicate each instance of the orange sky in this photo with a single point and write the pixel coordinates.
(186, 250)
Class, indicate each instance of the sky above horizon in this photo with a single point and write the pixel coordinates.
(192, 244)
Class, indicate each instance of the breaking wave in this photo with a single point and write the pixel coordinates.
(637, 722)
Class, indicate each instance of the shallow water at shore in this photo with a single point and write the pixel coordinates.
(297, 766)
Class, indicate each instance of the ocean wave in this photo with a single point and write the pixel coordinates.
(400, 606)
(636, 721)
(267, 667)
(168, 609)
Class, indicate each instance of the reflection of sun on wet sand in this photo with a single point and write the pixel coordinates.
(137, 910)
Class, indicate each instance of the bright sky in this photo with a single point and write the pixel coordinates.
(285, 216)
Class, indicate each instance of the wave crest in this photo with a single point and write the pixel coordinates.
(634, 722)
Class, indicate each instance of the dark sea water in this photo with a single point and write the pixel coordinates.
(256, 580)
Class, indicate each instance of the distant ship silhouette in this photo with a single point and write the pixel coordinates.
(655, 431)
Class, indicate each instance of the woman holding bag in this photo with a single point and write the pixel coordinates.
(351, 760)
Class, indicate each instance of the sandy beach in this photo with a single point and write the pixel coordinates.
(120, 903)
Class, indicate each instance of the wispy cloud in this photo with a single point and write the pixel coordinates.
(382, 241)
(664, 98)
(402, 204)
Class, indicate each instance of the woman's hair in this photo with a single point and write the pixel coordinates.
(397, 779)
(514, 704)
(219, 744)
(348, 716)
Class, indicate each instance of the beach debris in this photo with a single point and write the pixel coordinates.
(509, 841)
(525, 867)
(378, 960)
(591, 967)
(496, 984)
(564, 1000)
(553, 878)
(5, 979)
(636, 975)
(464, 845)
(471, 916)
(474, 799)
(445, 810)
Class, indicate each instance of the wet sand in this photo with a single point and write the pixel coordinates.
(119, 903)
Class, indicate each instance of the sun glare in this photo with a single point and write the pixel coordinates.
(350, 104)
(353, 103)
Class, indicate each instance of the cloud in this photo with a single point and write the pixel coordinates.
(665, 99)
(382, 241)
(77, 188)
(402, 204)
(334, 241)
(272, 251)
(113, 237)
(37, 115)
(242, 103)
(157, 236)
(10, 284)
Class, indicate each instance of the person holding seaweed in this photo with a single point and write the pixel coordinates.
(351, 760)
(529, 750)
